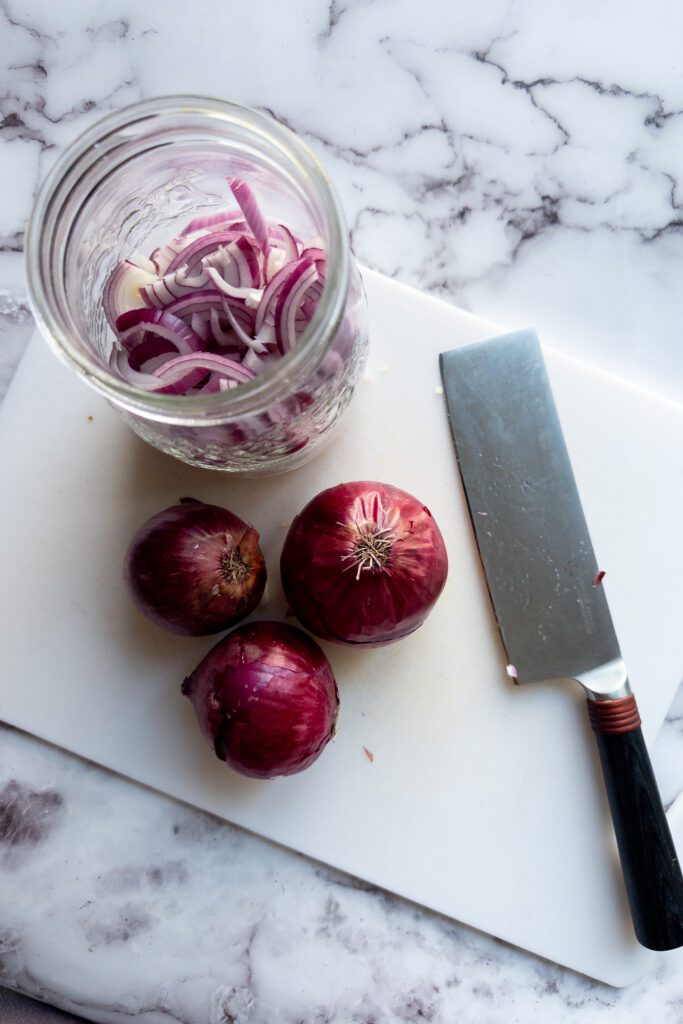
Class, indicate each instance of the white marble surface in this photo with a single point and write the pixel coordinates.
(522, 159)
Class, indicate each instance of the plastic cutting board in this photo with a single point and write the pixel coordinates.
(483, 801)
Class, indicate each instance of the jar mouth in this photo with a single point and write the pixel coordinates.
(111, 141)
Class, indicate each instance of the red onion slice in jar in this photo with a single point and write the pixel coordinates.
(201, 301)
(226, 262)
(177, 373)
(265, 312)
(144, 263)
(150, 351)
(201, 327)
(212, 221)
(164, 256)
(194, 252)
(219, 334)
(161, 292)
(254, 361)
(249, 207)
(122, 292)
(243, 334)
(249, 271)
(290, 298)
(118, 360)
(316, 254)
(289, 244)
(158, 322)
(234, 286)
(248, 295)
(245, 316)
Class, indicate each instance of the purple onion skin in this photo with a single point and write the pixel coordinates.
(339, 589)
(266, 699)
(195, 568)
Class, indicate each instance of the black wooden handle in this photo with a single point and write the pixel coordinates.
(654, 883)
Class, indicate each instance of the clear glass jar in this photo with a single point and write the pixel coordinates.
(129, 184)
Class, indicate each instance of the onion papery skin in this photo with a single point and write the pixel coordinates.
(195, 569)
(266, 699)
(334, 584)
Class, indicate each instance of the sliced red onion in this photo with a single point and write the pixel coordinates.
(289, 245)
(162, 291)
(291, 296)
(162, 258)
(193, 253)
(212, 221)
(158, 322)
(219, 334)
(150, 351)
(266, 308)
(244, 335)
(266, 336)
(249, 207)
(306, 314)
(247, 263)
(229, 285)
(316, 290)
(119, 359)
(254, 362)
(275, 262)
(315, 253)
(201, 327)
(122, 291)
(144, 263)
(201, 301)
(248, 295)
(245, 316)
(208, 362)
(227, 263)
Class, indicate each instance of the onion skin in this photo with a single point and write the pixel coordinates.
(363, 564)
(195, 568)
(265, 699)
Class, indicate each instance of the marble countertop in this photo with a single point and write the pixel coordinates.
(521, 160)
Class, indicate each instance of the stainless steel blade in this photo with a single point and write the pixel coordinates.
(526, 511)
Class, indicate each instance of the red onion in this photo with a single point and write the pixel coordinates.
(195, 568)
(175, 372)
(122, 290)
(214, 221)
(266, 699)
(364, 563)
(249, 207)
(290, 299)
(255, 287)
(137, 322)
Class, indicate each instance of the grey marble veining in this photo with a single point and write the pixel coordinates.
(123, 905)
(521, 159)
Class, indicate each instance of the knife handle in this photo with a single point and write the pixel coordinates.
(652, 873)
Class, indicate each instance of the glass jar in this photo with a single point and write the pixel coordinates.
(131, 183)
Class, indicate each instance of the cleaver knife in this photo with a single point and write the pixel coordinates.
(546, 591)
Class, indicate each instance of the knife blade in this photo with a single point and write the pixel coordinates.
(552, 612)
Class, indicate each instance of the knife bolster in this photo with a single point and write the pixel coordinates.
(606, 682)
(612, 717)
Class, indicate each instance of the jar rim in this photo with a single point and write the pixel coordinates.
(57, 189)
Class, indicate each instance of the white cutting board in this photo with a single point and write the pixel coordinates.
(483, 801)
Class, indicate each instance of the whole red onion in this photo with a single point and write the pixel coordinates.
(195, 568)
(266, 699)
(364, 563)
